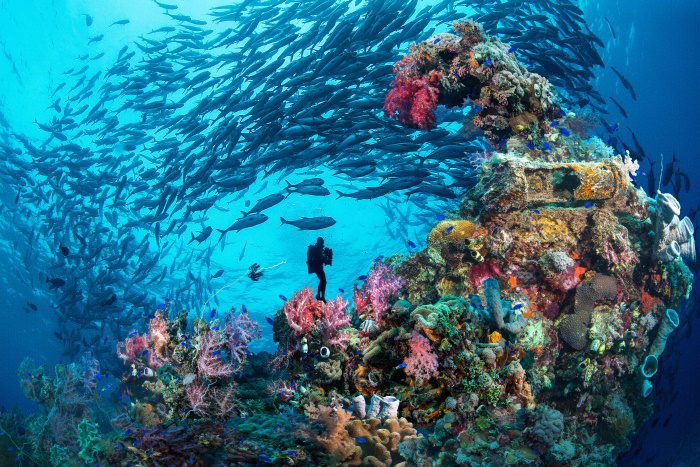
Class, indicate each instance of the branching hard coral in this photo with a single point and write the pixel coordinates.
(421, 362)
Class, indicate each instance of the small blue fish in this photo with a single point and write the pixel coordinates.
(401, 366)
(360, 439)
(105, 340)
(341, 290)
(282, 297)
(502, 142)
(136, 442)
(151, 316)
(120, 397)
(216, 353)
(564, 132)
(29, 375)
(269, 320)
(411, 244)
(359, 351)
(488, 62)
(215, 328)
(291, 452)
(436, 40)
(554, 123)
(98, 376)
(512, 49)
(449, 229)
(161, 306)
(588, 205)
(244, 309)
(362, 277)
(133, 333)
(184, 344)
(191, 459)
(536, 211)
(531, 146)
(144, 353)
(440, 217)
(149, 452)
(562, 112)
(517, 306)
(477, 108)
(379, 258)
(546, 146)
(264, 458)
(212, 313)
(614, 128)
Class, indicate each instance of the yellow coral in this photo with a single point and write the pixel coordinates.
(494, 337)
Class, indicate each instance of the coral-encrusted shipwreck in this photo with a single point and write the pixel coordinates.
(529, 328)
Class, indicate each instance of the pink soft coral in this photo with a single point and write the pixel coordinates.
(159, 338)
(413, 101)
(421, 363)
(381, 285)
(209, 361)
(239, 330)
(302, 310)
(132, 346)
(333, 319)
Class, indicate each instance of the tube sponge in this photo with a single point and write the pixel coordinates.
(673, 237)
(650, 366)
(492, 291)
(669, 322)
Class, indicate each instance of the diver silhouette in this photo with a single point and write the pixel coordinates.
(316, 257)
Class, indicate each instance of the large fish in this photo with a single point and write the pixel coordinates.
(310, 223)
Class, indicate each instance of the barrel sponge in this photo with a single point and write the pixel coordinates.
(546, 425)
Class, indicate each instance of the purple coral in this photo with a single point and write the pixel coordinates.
(421, 363)
(381, 285)
(239, 330)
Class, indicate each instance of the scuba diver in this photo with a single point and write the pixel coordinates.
(316, 257)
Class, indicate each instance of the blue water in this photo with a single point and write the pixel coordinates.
(656, 49)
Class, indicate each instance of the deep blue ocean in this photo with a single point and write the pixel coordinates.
(63, 56)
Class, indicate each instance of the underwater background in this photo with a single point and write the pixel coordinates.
(82, 62)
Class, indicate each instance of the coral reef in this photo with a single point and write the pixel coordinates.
(527, 332)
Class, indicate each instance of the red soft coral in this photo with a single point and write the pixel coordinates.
(413, 101)
(421, 363)
(302, 310)
(132, 346)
